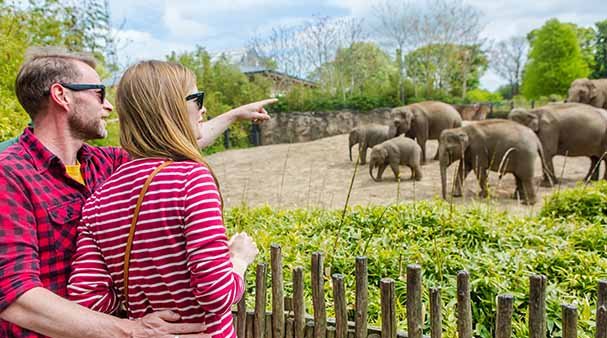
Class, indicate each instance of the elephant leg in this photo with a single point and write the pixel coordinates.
(422, 144)
(528, 192)
(416, 173)
(362, 149)
(549, 173)
(482, 180)
(460, 176)
(380, 171)
(395, 170)
(593, 172)
(518, 190)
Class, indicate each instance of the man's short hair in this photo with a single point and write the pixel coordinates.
(42, 67)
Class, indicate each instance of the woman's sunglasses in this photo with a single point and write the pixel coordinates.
(199, 98)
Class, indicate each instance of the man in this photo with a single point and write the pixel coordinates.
(44, 179)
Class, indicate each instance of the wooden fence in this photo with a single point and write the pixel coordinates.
(287, 317)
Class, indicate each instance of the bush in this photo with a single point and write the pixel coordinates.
(498, 250)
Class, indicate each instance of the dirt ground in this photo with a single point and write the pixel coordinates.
(318, 174)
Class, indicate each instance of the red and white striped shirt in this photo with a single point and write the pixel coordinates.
(180, 259)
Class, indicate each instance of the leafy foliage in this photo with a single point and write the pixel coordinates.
(499, 251)
(600, 56)
(555, 60)
(81, 27)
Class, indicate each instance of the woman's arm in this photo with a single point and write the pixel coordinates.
(90, 283)
(211, 129)
(216, 285)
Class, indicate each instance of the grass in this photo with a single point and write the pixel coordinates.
(567, 242)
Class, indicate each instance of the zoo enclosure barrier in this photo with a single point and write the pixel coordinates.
(287, 317)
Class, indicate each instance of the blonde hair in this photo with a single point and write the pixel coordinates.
(42, 67)
(153, 114)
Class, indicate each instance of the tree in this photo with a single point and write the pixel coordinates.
(600, 56)
(508, 58)
(555, 60)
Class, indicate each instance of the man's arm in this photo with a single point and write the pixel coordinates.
(210, 130)
(42, 311)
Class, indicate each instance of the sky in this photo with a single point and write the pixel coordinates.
(151, 29)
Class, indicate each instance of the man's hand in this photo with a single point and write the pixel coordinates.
(158, 325)
(254, 112)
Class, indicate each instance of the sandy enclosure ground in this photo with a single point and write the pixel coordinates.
(318, 174)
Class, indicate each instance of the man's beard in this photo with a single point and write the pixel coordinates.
(86, 129)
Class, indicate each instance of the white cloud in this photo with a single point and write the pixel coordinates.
(137, 45)
(182, 26)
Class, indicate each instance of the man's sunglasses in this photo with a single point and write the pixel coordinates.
(85, 86)
(199, 98)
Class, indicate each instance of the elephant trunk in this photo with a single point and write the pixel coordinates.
(351, 145)
(443, 158)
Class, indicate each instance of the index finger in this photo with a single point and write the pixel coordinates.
(267, 101)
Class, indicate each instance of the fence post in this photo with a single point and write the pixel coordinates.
(569, 321)
(289, 328)
(436, 317)
(318, 296)
(226, 139)
(278, 305)
(388, 316)
(464, 309)
(250, 324)
(260, 300)
(362, 297)
(241, 318)
(255, 134)
(339, 299)
(537, 306)
(601, 322)
(299, 309)
(503, 321)
(415, 321)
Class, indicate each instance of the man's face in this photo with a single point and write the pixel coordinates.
(86, 118)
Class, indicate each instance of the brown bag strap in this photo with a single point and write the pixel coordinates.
(129, 243)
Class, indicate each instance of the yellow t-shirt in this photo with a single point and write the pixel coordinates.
(73, 171)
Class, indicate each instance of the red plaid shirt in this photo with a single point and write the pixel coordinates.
(40, 207)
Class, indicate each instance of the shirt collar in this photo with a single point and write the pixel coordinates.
(43, 158)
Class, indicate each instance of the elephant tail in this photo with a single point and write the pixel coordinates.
(502, 167)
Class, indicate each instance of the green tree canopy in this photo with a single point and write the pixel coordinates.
(600, 56)
(555, 60)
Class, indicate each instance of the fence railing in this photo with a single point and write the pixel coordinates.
(288, 318)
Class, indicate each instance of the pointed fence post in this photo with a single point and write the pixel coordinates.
(569, 321)
(299, 309)
(339, 299)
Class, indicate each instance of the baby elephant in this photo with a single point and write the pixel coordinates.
(399, 150)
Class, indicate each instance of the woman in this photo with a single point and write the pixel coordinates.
(180, 257)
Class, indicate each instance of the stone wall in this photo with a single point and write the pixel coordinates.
(307, 126)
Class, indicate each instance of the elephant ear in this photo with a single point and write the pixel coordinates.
(592, 91)
(477, 150)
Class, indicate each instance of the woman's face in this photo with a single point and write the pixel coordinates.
(195, 115)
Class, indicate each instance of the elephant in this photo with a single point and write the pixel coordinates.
(425, 121)
(395, 151)
(592, 92)
(569, 129)
(498, 145)
(368, 136)
(473, 112)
